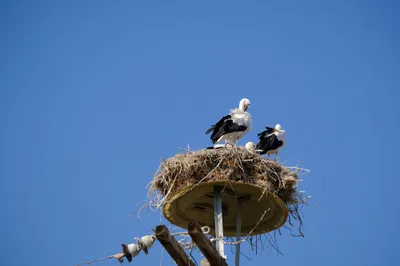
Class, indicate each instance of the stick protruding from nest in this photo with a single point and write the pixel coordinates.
(228, 164)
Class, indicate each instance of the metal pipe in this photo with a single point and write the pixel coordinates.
(219, 226)
(238, 232)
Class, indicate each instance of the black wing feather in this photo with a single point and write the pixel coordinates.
(224, 126)
(265, 133)
(268, 143)
(218, 124)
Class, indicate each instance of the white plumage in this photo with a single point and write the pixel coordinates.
(217, 146)
(233, 126)
(250, 146)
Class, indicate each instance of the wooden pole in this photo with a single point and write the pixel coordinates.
(205, 245)
(219, 225)
(172, 246)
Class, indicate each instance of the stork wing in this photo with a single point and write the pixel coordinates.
(218, 124)
(224, 126)
(265, 132)
(269, 143)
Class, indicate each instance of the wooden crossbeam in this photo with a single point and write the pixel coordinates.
(172, 246)
(205, 245)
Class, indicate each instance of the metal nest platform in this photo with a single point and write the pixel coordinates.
(261, 211)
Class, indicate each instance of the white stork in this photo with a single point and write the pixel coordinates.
(233, 126)
(271, 140)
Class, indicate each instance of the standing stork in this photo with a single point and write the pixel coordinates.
(233, 126)
(271, 140)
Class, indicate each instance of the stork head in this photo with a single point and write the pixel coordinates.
(279, 128)
(250, 146)
(244, 104)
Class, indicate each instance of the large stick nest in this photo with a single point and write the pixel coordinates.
(228, 164)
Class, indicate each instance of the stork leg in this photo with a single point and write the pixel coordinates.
(229, 142)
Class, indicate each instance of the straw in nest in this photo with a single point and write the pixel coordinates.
(229, 164)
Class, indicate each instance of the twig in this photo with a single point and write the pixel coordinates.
(166, 196)
(207, 174)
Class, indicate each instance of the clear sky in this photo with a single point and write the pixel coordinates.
(93, 94)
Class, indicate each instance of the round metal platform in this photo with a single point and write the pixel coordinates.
(196, 203)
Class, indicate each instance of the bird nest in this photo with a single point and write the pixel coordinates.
(230, 165)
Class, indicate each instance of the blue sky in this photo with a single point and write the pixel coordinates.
(93, 94)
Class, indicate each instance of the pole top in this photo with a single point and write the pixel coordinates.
(261, 211)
